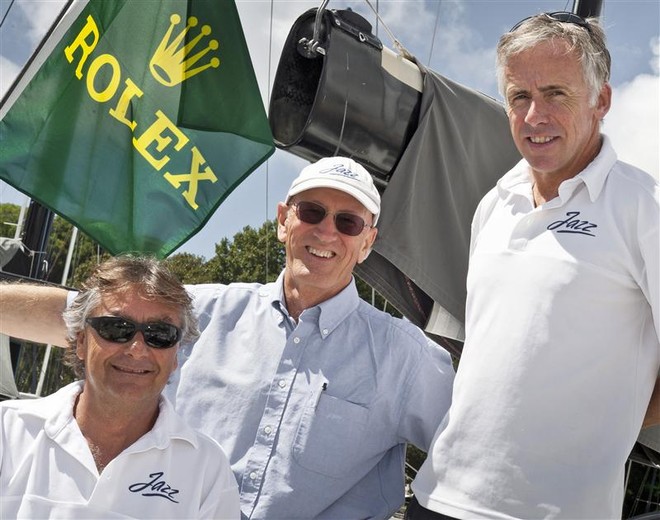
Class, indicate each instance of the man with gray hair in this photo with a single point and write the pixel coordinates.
(562, 318)
(312, 392)
(110, 445)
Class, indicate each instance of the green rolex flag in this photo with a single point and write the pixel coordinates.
(136, 119)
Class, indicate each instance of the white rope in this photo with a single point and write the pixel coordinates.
(395, 42)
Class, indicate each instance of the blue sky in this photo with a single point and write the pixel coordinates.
(454, 38)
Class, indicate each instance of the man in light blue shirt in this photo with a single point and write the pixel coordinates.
(312, 392)
(319, 391)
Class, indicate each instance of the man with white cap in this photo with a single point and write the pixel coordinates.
(312, 392)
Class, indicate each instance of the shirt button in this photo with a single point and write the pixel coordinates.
(325, 332)
(267, 430)
(253, 475)
(281, 383)
(296, 340)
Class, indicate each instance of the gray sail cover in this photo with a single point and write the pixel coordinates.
(462, 145)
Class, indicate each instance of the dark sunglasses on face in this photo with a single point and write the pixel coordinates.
(157, 334)
(560, 16)
(312, 213)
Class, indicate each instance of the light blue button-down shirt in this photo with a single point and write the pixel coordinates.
(313, 415)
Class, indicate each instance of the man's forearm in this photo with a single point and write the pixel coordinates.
(33, 312)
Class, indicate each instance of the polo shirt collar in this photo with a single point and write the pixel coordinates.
(168, 426)
(56, 409)
(596, 173)
(518, 180)
(58, 413)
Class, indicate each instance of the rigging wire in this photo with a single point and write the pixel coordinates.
(396, 43)
(373, 289)
(6, 13)
(435, 30)
(267, 202)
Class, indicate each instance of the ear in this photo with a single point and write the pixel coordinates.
(367, 244)
(81, 346)
(175, 362)
(604, 101)
(282, 215)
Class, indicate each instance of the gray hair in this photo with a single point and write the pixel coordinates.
(588, 45)
(150, 277)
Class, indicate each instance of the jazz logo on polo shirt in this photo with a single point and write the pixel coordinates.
(155, 488)
(572, 224)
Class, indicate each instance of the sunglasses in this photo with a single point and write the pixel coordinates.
(312, 213)
(560, 16)
(157, 334)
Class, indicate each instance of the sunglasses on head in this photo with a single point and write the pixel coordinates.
(312, 213)
(157, 334)
(560, 16)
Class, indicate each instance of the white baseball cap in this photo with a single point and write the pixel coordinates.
(339, 173)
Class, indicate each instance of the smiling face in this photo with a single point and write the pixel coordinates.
(553, 123)
(320, 259)
(132, 373)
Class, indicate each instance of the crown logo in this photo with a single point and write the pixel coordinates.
(172, 64)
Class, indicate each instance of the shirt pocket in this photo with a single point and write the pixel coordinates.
(330, 437)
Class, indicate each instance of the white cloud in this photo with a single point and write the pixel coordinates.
(26, 26)
(9, 71)
(633, 122)
(40, 14)
(459, 50)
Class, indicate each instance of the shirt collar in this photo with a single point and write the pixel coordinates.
(57, 408)
(519, 178)
(331, 312)
(168, 426)
(275, 294)
(596, 172)
(335, 310)
(58, 412)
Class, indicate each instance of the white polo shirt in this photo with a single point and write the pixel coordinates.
(47, 469)
(562, 349)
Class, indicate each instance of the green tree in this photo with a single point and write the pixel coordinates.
(86, 254)
(58, 247)
(252, 256)
(8, 219)
(189, 268)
